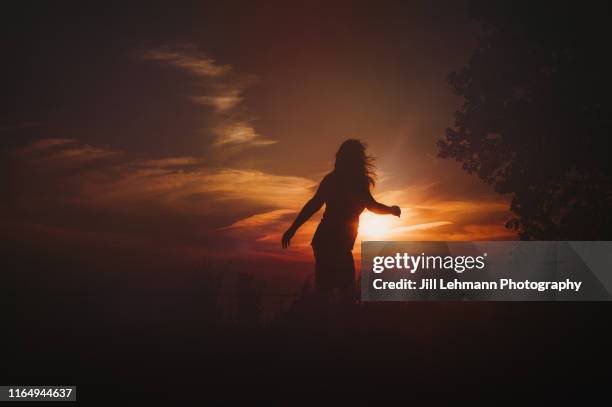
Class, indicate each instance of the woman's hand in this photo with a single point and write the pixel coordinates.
(287, 237)
(396, 211)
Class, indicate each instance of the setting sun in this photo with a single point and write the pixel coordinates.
(372, 226)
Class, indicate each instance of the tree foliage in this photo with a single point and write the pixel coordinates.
(537, 116)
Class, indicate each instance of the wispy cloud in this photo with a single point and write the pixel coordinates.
(187, 58)
(428, 216)
(220, 87)
(77, 194)
(261, 219)
(220, 102)
(420, 226)
(237, 132)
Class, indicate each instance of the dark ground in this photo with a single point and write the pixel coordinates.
(115, 341)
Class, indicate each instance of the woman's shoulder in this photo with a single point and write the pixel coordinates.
(325, 186)
(328, 179)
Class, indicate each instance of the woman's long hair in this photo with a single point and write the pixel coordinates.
(353, 163)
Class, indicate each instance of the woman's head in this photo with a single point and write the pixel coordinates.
(352, 161)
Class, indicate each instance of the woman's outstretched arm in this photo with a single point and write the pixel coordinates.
(382, 209)
(312, 206)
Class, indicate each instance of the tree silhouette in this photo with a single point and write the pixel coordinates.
(537, 116)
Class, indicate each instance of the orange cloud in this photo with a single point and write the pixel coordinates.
(224, 211)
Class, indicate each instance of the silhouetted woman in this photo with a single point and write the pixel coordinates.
(346, 193)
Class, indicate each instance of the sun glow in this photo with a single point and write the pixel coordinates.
(372, 226)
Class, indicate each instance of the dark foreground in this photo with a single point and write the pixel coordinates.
(186, 336)
(374, 351)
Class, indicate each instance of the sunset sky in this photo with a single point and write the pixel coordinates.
(199, 132)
